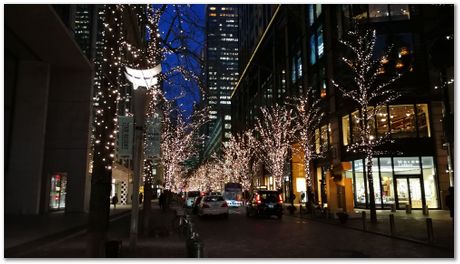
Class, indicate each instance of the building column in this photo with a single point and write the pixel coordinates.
(23, 180)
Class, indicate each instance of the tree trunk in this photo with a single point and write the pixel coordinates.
(101, 178)
(370, 179)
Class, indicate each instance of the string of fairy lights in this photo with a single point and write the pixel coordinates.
(369, 95)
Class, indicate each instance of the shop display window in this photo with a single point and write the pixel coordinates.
(381, 117)
(386, 176)
(402, 121)
(324, 139)
(346, 130)
(355, 126)
(58, 191)
(360, 190)
(423, 121)
(429, 182)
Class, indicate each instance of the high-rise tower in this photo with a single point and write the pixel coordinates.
(221, 71)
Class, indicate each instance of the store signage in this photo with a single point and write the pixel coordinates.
(125, 136)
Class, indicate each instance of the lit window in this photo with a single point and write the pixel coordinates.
(346, 130)
(227, 117)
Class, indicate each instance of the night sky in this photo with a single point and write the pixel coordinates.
(195, 39)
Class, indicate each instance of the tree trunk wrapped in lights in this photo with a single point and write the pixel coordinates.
(370, 90)
(105, 105)
(309, 117)
(275, 131)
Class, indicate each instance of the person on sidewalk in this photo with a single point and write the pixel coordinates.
(114, 201)
(141, 198)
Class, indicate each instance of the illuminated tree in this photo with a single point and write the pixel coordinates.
(309, 116)
(275, 131)
(370, 91)
(178, 139)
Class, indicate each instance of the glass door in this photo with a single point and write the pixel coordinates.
(402, 188)
(409, 191)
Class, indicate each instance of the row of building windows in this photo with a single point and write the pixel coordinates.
(401, 121)
(376, 13)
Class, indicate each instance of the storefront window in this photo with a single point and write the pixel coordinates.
(346, 130)
(429, 182)
(382, 120)
(376, 181)
(324, 139)
(58, 191)
(317, 141)
(371, 122)
(360, 190)
(402, 121)
(423, 120)
(406, 166)
(355, 126)
(386, 174)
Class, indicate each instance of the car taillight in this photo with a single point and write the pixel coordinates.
(280, 199)
(224, 205)
(205, 206)
(258, 199)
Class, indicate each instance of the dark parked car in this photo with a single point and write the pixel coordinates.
(266, 203)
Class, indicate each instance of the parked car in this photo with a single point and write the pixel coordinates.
(213, 205)
(265, 203)
(196, 204)
(190, 198)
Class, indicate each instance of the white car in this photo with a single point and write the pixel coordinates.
(213, 205)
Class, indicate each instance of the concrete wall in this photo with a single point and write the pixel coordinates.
(67, 132)
(27, 138)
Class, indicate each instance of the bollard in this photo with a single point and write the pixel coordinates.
(425, 210)
(198, 249)
(408, 209)
(392, 224)
(363, 217)
(429, 230)
(393, 208)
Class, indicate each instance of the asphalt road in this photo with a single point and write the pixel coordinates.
(292, 237)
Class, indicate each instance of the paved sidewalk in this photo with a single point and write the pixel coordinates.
(45, 233)
(411, 227)
(22, 229)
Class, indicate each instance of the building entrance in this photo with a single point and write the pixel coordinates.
(409, 191)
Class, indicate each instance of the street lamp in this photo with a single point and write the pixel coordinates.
(147, 79)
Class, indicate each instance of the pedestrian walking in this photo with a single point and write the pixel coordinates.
(141, 198)
(114, 201)
(161, 201)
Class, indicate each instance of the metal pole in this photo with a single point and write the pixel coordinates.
(139, 117)
(392, 224)
(429, 230)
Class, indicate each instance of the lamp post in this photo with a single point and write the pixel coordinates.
(145, 79)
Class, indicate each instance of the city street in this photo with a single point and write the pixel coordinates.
(292, 237)
(243, 237)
